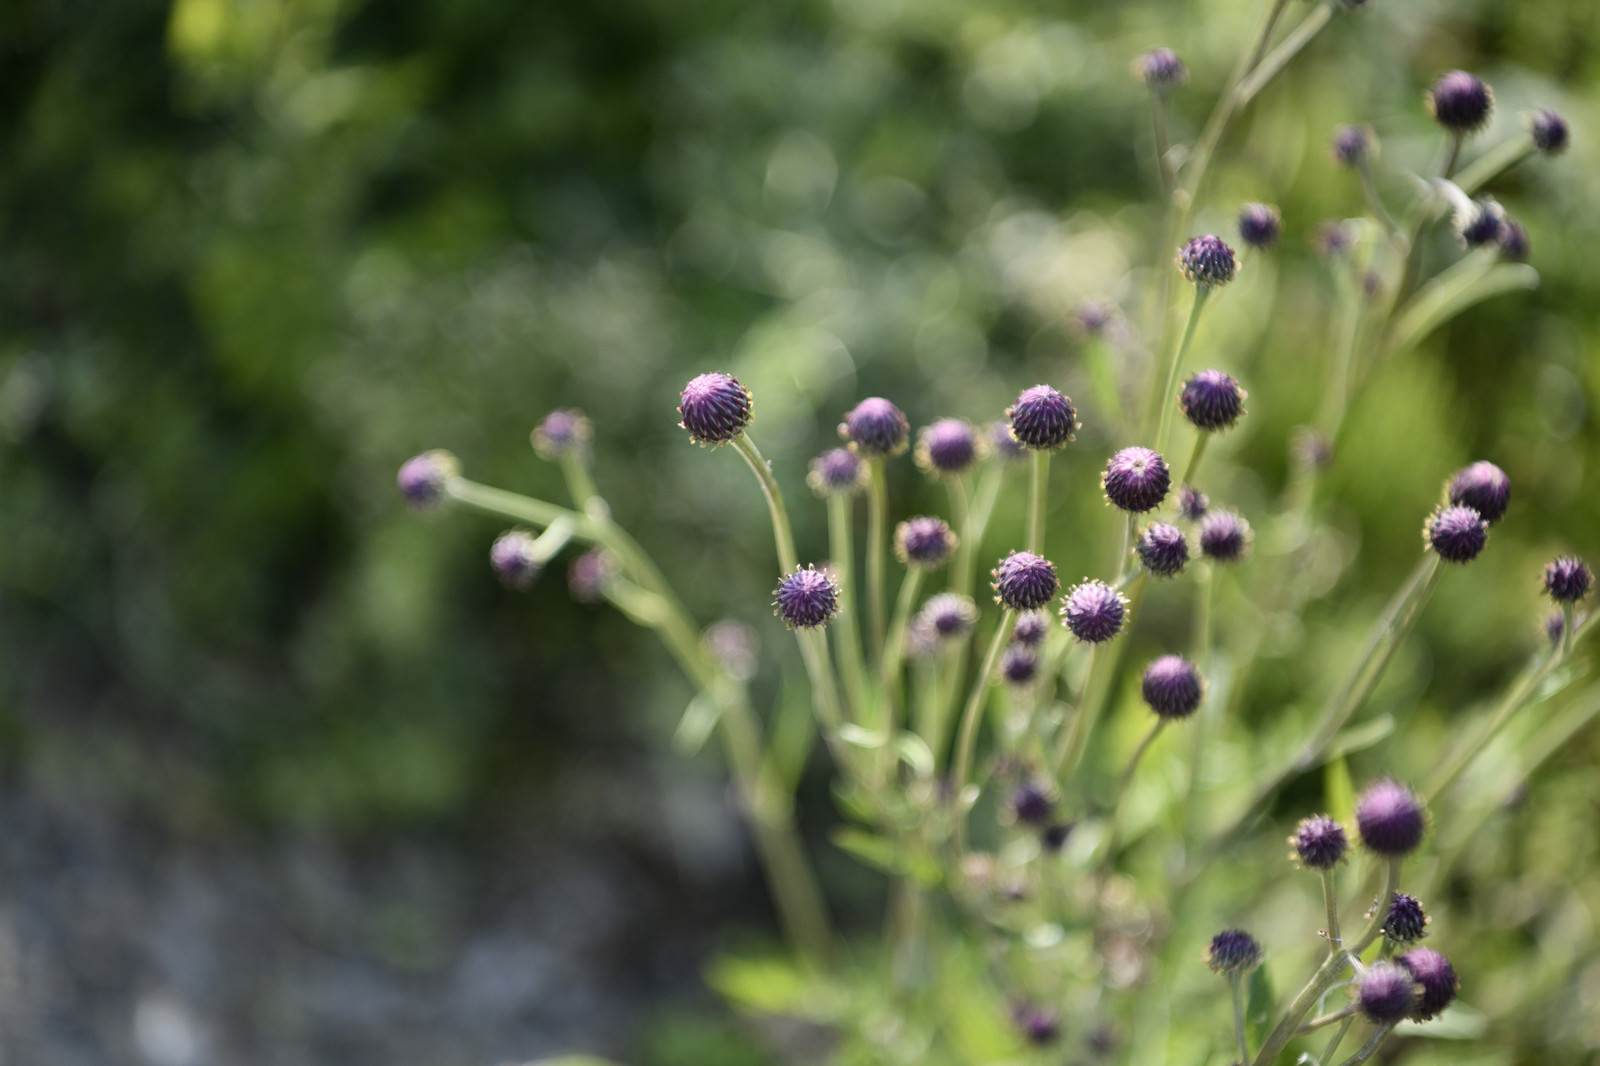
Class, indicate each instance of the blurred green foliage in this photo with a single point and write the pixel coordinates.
(254, 255)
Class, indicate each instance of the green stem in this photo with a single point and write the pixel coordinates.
(1202, 438)
(788, 561)
(1036, 500)
(1330, 900)
(967, 737)
(1164, 401)
(1493, 163)
(1337, 1039)
(1263, 39)
(846, 628)
(889, 675)
(1369, 189)
(1108, 856)
(1452, 154)
(1327, 1019)
(1236, 982)
(1169, 177)
(877, 539)
(961, 515)
(517, 507)
(1272, 65)
(1074, 733)
(1370, 1048)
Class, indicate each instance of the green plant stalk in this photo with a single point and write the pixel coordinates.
(877, 547)
(824, 692)
(1164, 402)
(1235, 982)
(1452, 154)
(1038, 489)
(1370, 1048)
(1108, 855)
(1496, 161)
(1074, 733)
(1336, 1039)
(782, 535)
(967, 737)
(1369, 190)
(961, 516)
(1202, 438)
(1163, 142)
(1273, 63)
(517, 507)
(1328, 1019)
(894, 651)
(1330, 900)
(973, 529)
(846, 631)
(1206, 577)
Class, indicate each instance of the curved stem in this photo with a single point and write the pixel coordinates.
(1108, 855)
(782, 535)
(961, 516)
(516, 506)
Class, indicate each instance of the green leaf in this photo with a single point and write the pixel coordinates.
(1338, 790)
(888, 855)
(1361, 737)
(767, 984)
(698, 720)
(1258, 1005)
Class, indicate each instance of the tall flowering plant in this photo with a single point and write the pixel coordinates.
(961, 685)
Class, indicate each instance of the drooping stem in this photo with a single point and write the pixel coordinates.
(1163, 400)
(877, 547)
(516, 506)
(1036, 500)
(782, 535)
(846, 625)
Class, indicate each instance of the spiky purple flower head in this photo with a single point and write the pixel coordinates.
(1483, 487)
(807, 598)
(1042, 419)
(1032, 803)
(1482, 225)
(1161, 69)
(924, 541)
(1162, 549)
(1094, 612)
(949, 615)
(1352, 144)
(422, 478)
(1437, 977)
(1136, 479)
(875, 428)
(1514, 242)
(1024, 581)
(1019, 665)
(1407, 921)
(1319, 842)
(562, 432)
(948, 446)
(836, 472)
(1223, 536)
(1211, 401)
(1457, 533)
(1549, 131)
(1233, 951)
(1207, 260)
(1390, 818)
(1192, 503)
(1172, 687)
(1460, 102)
(714, 408)
(1386, 993)
(515, 558)
(590, 575)
(1031, 629)
(1259, 225)
(1567, 579)
(1039, 1025)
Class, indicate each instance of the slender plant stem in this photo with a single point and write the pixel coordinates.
(1109, 853)
(961, 515)
(1202, 438)
(1566, 628)
(894, 651)
(1380, 912)
(788, 561)
(1236, 982)
(877, 540)
(580, 485)
(1327, 1019)
(1036, 500)
(1493, 163)
(1337, 1039)
(1273, 63)
(824, 687)
(846, 625)
(967, 738)
(516, 506)
(1263, 39)
(1452, 154)
(1369, 189)
(1330, 900)
(1370, 1048)
(1074, 733)
(1164, 400)
(1158, 114)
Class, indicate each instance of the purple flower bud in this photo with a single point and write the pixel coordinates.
(590, 575)
(714, 408)
(1032, 803)
(1161, 69)
(515, 559)
(1019, 665)
(1407, 921)
(1482, 225)
(1039, 1025)
(924, 542)
(948, 446)
(1211, 400)
(1005, 447)
(1514, 242)
(1233, 951)
(1319, 842)
(1031, 629)
(949, 615)
(1386, 993)
(1192, 503)
(1437, 977)
(1390, 818)
(1207, 261)
(561, 433)
(1042, 419)
(1483, 487)
(1549, 131)
(1223, 536)
(1172, 687)
(734, 646)
(1094, 612)
(806, 598)
(1352, 144)
(422, 479)
(875, 428)
(1567, 579)
(836, 472)
(1024, 581)
(1457, 533)
(1460, 102)
(1136, 479)
(1259, 225)
(1162, 549)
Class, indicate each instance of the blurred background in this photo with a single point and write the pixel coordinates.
(287, 777)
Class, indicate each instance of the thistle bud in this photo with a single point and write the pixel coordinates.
(514, 558)
(1437, 978)
(1211, 401)
(1024, 581)
(948, 446)
(563, 432)
(1457, 533)
(1549, 131)
(714, 408)
(1407, 921)
(1208, 261)
(1390, 818)
(1460, 102)
(423, 478)
(806, 598)
(1483, 487)
(1567, 579)
(836, 472)
(1223, 536)
(1259, 225)
(875, 428)
(1162, 549)
(1352, 145)
(1386, 993)
(1172, 687)
(1136, 479)
(1233, 951)
(1319, 842)
(949, 615)
(1161, 69)
(1042, 419)
(923, 542)
(1094, 612)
